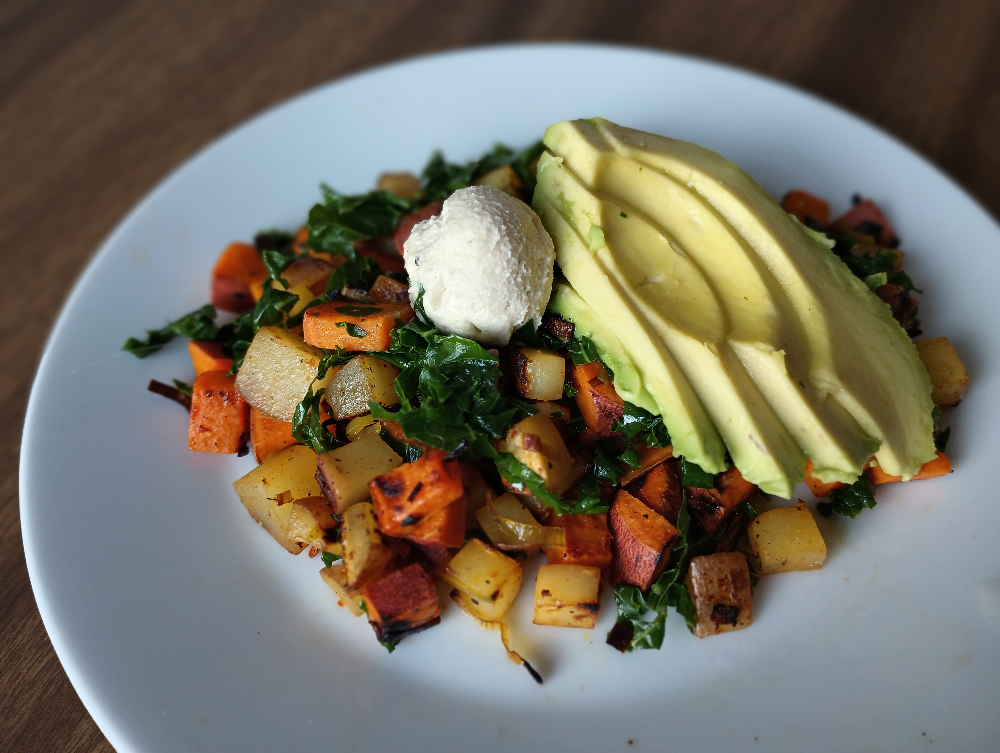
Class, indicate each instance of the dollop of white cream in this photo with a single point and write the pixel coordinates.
(484, 265)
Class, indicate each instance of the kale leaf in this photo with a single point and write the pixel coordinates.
(849, 501)
(329, 558)
(694, 475)
(339, 220)
(639, 422)
(198, 325)
(522, 477)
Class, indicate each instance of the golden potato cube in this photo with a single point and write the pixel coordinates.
(361, 379)
(277, 371)
(786, 539)
(719, 585)
(489, 578)
(366, 557)
(347, 470)
(269, 489)
(312, 523)
(948, 376)
(405, 184)
(538, 374)
(567, 595)
(504, 179)
(536, 442)
(335, 577)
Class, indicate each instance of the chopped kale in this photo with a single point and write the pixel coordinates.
(198, 325)
(849, 501)
(639, 422)
(409, 452)
(329, 558)
(940, 439)
(522, 477)
(693, 475)
(353, 329)
(582, 350)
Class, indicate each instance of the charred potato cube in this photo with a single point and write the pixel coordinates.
(719, 585)
(567, 595)
(538, 374)
(361, 379)
(402, 602)
(277, 371)
(269, 489)
(948, 376)
(344, 472)
(312, 523)
(487, 579)
(786, 539)
(366, 557)
(536, 442)
(335, 577)
(387, 290)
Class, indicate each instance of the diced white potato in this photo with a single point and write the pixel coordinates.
(405, 184)
(366, 556)
(567, 595)
(948, 376)
(311, 522)
(785, 539)
(347, 470)
(719, 585)
(335, 577)
(277, 372)
(536, 442)
(361, 379)
(538, 374)
(285, 476)
(504, 179)
(488, 580)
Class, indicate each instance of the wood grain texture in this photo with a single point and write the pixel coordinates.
(99, 99)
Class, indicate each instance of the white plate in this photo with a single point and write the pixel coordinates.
(184, 627)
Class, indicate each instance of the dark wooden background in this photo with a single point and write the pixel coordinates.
(99, 99)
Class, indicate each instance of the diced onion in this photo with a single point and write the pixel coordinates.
(516, 534)
(357, 425)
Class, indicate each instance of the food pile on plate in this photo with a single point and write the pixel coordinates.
(612, 349)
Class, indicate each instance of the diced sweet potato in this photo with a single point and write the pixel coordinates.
(713, 507)
(220, 417)
(596, 397)
(401, 603)
(268, 435)
(387, 290)
(786, 539)
(238, 269)
(208, 356)
(939, 466)
(588, 540)
(396, 432)
(659, 488)
(866, 217)
(820, 488)
(567, 596)
(414, 491)
(407, 222)
(641, 543)
(948, 376)
(353, 326)
(719, 585)
(434, 559)
(445, 528)
(804, 205)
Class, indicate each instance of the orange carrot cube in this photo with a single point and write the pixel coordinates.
(596, 397)
(353, 326)
(238, 269)
(803, 204)
(220, 417)
(939, 466)
(268, 435)
(208, 356)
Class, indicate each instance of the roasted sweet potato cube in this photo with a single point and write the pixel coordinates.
(387, 290)
(641, 543)
(866, 217)
(719, 585)
(238, 269)
(588, 540)
(817, 487)
(444, 528)
(567, 595)
(414, 491)
(948, 376)
(713, 507)
(268, 435)
(335, 577)
(407, 222)
(804, 205)
(401, 603)
(596, 397)
(434, 559)
(207, 355)
(353, 326)
(939, 466)
(220, 417)
(659, 488)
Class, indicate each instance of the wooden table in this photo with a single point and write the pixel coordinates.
(99, 99)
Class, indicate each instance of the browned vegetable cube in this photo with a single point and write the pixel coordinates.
(948, 376)
(387, 290)
(642, 541)
(402, 602)
(538, 374)
(312, 522)
(567, 595)
(596, 397)
(719, 585)
(659, 488)
(713, 507)
(588, 540)
(536, 442)
(343, 473)
(406, 495)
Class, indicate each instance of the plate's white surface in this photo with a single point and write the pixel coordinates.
(184, 627)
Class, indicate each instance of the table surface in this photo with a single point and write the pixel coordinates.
(99, 99)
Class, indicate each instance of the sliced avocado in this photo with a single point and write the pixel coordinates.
(691, 430)
(856, 354)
